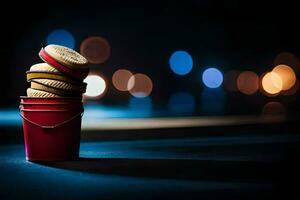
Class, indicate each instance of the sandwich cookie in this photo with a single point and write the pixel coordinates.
(58, 92)
(45, 71)
(31, 75)
(38, 93)
(67, 57)
(61, 85)
(43, 67)
(65, 60)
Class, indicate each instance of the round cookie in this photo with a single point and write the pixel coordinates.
(31, 75)
(61, 85)
(77, 74)
(44, 70)
(38, 93)
(43, 67)
(59, 92)
(67, 57)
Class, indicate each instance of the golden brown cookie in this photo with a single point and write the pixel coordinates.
(38, 93)
(61, 85)
(67, 57)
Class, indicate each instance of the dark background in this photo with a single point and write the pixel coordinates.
(232, 34)
(242, 35)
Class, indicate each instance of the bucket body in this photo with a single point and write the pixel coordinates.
(51, 128)
(50, 100)
(40, 106)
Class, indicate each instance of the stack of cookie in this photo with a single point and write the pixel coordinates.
(61, 74)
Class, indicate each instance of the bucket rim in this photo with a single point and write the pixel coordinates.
(45, 110)
(50, 103)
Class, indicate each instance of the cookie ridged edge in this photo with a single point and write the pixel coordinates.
(39, 93)
(67, 56)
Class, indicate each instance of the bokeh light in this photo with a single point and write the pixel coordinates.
(289, 59)
(181, 62)
(182, 102)
(120, 80)
(141, 85)
(292, 90)
(95, 49)
(271, 83)
(212, 78)
(230, 80)
(248, 82)
(287, 76)
(273, 108)
(95, 86)
(61, 37)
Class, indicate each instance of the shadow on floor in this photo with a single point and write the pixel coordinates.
(174, 168)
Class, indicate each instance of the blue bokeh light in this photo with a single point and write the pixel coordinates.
(61, 37)
(212, 78)
(181, 62)
(181, 103)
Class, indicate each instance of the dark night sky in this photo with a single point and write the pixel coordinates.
(231, 34)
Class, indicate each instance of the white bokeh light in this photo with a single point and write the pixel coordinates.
(95, 85)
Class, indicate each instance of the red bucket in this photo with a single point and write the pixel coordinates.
(51, 128)
(50, 100)
(52, 106)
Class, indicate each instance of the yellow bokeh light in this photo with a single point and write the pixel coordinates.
(272, 83)
(287, 76)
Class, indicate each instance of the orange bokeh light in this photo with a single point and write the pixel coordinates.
(287, 76)
(120, 79)
(271, 83)
(292, 90)
(95, 49)
(247, 82)
(141, 85)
